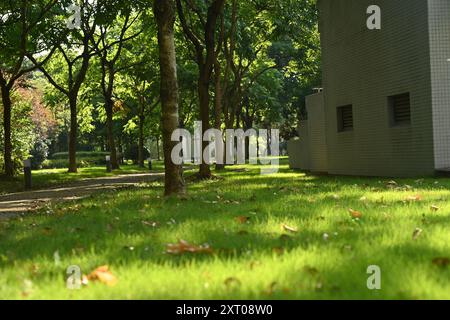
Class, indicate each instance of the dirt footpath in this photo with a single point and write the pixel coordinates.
(21, 202)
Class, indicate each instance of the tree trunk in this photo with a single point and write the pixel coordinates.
(217, 96)
(206, 65)
(120, 150)
(7, 105)
(247, 141)
(157, 148)
(164, 11)
(141, 141)
(218, 106)
(204, 97)
(109, 124)
(73, 134)
(247, 124)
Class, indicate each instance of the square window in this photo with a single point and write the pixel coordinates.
(345, 118)
(400, 109)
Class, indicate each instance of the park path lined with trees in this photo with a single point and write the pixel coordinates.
(22, 202)
(87, 85)
(121, 76)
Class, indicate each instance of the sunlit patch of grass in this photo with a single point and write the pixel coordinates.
(254, 258)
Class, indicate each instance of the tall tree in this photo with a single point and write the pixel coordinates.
(139, 83)
(73, 46)
(164, 11)
(109, 44)
(205, 55)
(21, 26)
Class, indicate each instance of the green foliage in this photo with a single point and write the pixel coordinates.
(84, 159)
(22, 126)
(276, 64)
(39, 154)
(64, 163)
(80, 154)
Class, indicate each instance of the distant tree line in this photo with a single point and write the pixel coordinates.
(120, 76)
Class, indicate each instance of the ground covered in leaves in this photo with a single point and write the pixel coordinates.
(246, 236)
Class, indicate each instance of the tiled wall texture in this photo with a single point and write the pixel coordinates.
(318, 152)
(363, 67)
(439, 30)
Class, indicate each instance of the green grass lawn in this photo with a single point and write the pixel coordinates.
(254, 257)
(54, 177)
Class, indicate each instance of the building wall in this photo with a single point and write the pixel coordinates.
(439, 28)
(295, 152)
(363, 67)
(305, 159)
(317, 133)
(299, 148)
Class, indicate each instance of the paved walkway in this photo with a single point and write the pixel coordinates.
(21, 202)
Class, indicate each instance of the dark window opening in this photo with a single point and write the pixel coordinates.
(345, 118)
(400, 109)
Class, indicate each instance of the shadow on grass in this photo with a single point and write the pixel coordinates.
(107, 226)
(94, 225)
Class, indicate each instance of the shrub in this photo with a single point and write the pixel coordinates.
(80, 155)
(39, 154)
(63, 163)
(84, 159)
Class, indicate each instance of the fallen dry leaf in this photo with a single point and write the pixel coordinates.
(271, 288)
(28, 288)
(392, 183)
(319, 286)
(232, 281)
(34, 270)
(441, 261)
(102, 274)
(242, 219)
(355, 214)
(290, 229)
(278, 250)
(84, 280)
(311, 270)
(414, 198)
(434, 208)
(153, 224)
(417, 232)
(185, 247)
(347, 247)
(254, 264)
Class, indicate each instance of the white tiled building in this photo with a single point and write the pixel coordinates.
(385, 105)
